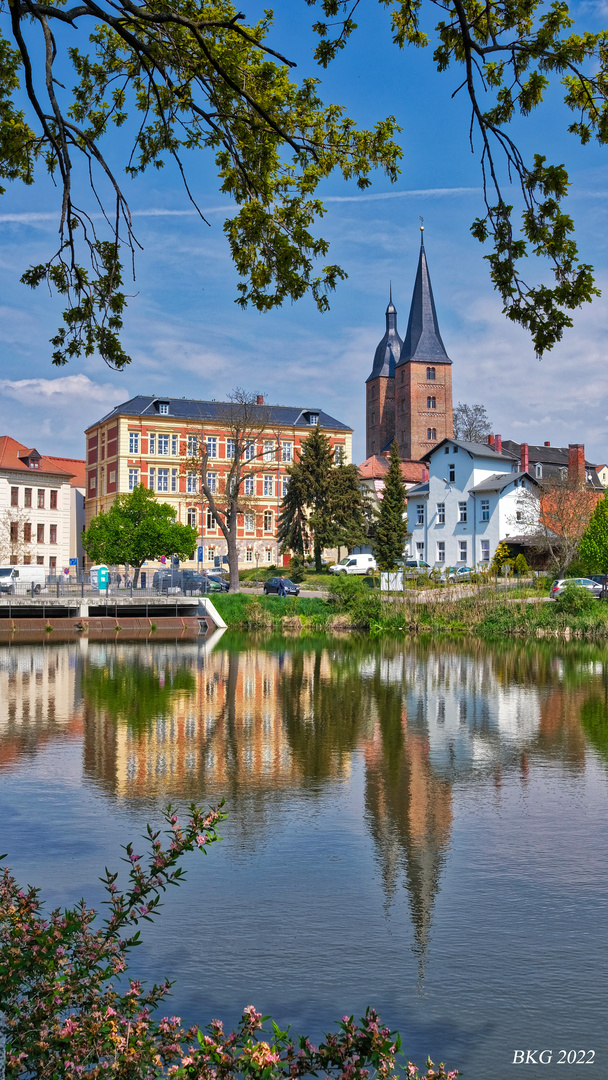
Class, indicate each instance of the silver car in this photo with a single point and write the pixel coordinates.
(560, 584)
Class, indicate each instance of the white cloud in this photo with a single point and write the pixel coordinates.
(51, 414)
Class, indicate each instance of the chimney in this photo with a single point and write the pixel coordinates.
(425, 473)
(260, 400)
(490, 440)
(498, 444)
(576, 463)
(525, 462)
(547, 444)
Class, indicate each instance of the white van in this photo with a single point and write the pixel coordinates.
(22, 579)
(354, 564)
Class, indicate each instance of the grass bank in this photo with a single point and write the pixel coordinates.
(351, 604)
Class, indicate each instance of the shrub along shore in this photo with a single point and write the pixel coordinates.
(352, 605)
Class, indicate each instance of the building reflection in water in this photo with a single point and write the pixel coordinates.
(175, 720)
(40, 699)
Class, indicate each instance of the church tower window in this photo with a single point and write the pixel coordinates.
(430, 374)
(431, 403)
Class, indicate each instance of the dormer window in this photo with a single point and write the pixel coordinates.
(31, 459)
(313, 419)
(162, 407)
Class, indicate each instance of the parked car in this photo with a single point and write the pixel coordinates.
(454, 574)
(273, 585)
(188, 581)
(354, 564)
(413, 567)
(560, 584)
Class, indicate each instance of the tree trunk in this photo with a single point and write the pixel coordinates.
(233, 557)
(318, 549)
(136, 575)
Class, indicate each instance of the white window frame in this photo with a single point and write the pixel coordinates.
(230, 449)
(268, 521)
(249, 521)
(463, 546)
(192, 483)
(462, 513)
(269, 450)
(485, 550)
(441, 513)
(441, 551)
(419, 513)
(163, 480)
(286, 451)
(152, 443)
(249, 454)
(191, 517)
(174, 480)
(174, 446)
(211, 446)
(268, 486)
(212, 482)
(192, 446)
(485, 509)
(163, 445)
(151, 479)
(249, 554)
(249, 485)
(133, 479)
(134, 442)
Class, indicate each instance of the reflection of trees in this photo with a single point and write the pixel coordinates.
(324, 705)
(132, 692)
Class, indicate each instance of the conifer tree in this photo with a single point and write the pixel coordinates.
(345, 511)
(391, 531)
(309, 497)
(593, 550)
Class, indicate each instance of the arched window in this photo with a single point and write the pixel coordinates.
(430, 373)
(268, 521)
(431, 403)
(192, 517)
(538, 470)
(431, 433)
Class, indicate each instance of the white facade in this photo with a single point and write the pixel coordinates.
(474, 499)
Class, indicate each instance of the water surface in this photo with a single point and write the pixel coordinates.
(420, 827)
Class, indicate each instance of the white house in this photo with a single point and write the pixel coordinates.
(474, 498)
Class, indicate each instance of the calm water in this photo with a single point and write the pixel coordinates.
(423, 828)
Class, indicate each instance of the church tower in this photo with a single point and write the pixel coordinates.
(380, 387)
(423, 375)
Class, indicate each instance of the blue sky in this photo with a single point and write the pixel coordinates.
(188, 338)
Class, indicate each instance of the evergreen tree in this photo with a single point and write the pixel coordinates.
(391, 530)
(345, 507)
(293, 531)
(593, 550)
(310, 495)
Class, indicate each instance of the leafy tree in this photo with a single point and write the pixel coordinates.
(471, 423)
(15, 535)
(136, 528)
(521, 565)
(186, 76)
(391, 531)
(593, 548)
(244, 421)
(566, 506)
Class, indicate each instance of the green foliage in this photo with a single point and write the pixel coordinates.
(131, 693)
(502, 555)
(593, 548)
(391, 530)
(575, 600)
(521, 565)
(296, 568)
(307, 505)
(508, 54)
(137, 527)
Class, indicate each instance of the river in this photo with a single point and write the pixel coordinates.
(421, 827)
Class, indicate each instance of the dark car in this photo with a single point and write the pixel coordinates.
(215, 583)
(185, 581)
(273, 585)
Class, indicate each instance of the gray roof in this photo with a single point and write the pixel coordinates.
(419, 489)
(389, 349)
(475, 449)
(552, 458)
(423, 341)
(192, 409)
(499, 481)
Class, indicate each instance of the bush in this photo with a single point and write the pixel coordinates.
(575, 600)
(521, 566)
(297, 568)
(66, 1019)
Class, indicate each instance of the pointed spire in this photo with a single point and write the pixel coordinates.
(389, 348)
(423, 341)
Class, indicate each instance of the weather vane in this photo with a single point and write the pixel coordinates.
(421, 224)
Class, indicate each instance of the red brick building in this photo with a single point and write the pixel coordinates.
(148, 440)
(409, 391)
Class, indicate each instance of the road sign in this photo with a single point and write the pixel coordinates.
(216, 561)
(200, 553)
(163, 559)
(67, 570)
(73, 562)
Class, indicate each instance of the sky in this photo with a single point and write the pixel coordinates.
(188, 338)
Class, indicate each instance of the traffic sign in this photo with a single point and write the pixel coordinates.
(200, 553)
(73, 562)
(163, 559)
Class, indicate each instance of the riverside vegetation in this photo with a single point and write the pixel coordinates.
(72, 1012)
(353, 603)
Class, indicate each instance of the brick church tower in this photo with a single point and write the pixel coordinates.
(423, 375)
(380, 387)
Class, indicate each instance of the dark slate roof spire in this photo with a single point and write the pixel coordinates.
(423, 341)
(389, 349)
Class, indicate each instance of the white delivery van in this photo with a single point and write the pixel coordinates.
(354, 564)
(22, 579)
